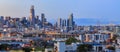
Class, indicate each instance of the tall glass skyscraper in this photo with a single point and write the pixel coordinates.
(43, 19)
(70, 22)
(32, 15)
(59, 23)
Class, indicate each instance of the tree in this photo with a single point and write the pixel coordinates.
(114, 37)
(71, 40)
(4, 46)
(84, 48)
(27, 49)
(111, 48)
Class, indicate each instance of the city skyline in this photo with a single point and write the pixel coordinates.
(97, 10)
(59, 26)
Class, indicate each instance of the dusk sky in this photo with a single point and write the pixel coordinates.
(102, 10)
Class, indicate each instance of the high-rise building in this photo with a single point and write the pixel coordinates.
(59, 23)
(1, 21)
(1, 18)
(37, 20)
(117, 30)
(43, 19)
(64, 23)
(70, 22)
(32, 15)
(67, 22)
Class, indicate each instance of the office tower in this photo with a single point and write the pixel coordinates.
(24, 21)
(43, 19)
(1, 18)
(16, 22)
(117, 30)
(55, 26)
(37, 17)
(70, 22)
(37, 20)
(1, 21)
(32, 15)
(67, 22)
(6, 21)
(59, 23)
(64, 23)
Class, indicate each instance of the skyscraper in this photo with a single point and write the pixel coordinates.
(37, 20)
(32, 15)
(70, 22)
(59, 23)
(1, 21)
(43, 19)
(63, 22)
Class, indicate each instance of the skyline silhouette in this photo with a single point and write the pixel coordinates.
(97, 10)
